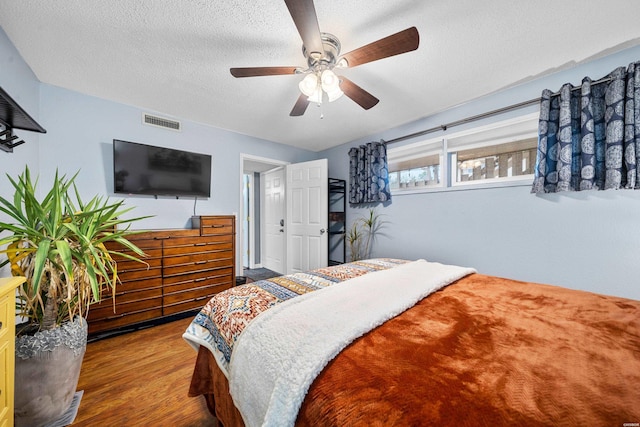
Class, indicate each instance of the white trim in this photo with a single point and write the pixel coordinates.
(251, 215)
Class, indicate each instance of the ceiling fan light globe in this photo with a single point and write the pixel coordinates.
(316, 96)
(334, 94)
(330, 81)
(309, 84)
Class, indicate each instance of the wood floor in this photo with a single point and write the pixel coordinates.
(141, 379)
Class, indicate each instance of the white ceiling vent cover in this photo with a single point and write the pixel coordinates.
(151, 120)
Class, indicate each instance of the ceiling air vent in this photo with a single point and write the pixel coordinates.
(162, 122)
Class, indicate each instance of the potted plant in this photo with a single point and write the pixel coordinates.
(363, 233)
(354, 238)
(58, 244)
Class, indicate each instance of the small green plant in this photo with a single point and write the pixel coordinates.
(354, 238)
(58, 244)
(363, 234)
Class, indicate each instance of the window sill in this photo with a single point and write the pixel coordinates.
(525, 181)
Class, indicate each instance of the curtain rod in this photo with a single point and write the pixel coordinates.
(484, 115)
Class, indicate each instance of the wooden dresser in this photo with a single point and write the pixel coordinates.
(7, 346)
(186, 268)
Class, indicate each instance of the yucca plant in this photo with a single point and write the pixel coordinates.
(372, 225)
(58, 244)
(363, 233)
(354, 238)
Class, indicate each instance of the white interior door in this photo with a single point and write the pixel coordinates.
(273, 214)
(307, 218)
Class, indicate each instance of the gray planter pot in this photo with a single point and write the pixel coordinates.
(47, 371)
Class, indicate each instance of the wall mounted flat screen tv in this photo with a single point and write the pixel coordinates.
(156, 171)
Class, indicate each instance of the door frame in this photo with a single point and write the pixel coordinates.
(250, 164)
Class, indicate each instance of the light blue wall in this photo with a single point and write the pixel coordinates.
(584, 240)
(81, 132)
(17, 79)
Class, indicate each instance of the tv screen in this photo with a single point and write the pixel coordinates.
(156, 171)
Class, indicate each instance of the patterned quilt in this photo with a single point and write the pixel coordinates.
(219, 324)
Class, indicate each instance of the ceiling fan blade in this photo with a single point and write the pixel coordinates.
(262, 71)
(304, 16)
(301, 105)
(395, 44)
(357, 94)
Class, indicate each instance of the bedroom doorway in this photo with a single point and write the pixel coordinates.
(301, 224)
(249, 241)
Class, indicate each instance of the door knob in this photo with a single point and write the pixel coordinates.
(322, 230)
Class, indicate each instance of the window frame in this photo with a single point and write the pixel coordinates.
(448, 155)
(424, 148)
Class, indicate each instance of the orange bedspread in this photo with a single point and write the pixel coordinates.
(482, 351)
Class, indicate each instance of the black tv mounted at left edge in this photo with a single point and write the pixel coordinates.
(157, 171)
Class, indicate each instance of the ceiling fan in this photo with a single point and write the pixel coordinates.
(322, 52)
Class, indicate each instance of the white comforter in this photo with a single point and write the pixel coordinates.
(280, 353)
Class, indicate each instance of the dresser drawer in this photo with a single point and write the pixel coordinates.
(198, 241)
(208, 280)
(199, 248)
(149, 254)
(216, 225)
(226, 271)
(140, 275)
(198, 267)
(104, 309)
(138, 285)
(146, 244)
(197, 258)
(123, 297)
(125, 265)
(193, 299)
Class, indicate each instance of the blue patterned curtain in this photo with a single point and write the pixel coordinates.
(589, 138)
(369, 173)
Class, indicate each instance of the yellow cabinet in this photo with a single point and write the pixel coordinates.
(7, 346)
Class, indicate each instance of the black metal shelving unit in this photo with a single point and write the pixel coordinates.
(12, 116)
(337, 221)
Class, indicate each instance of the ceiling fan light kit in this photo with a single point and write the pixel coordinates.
(314, 84)
(322, 52)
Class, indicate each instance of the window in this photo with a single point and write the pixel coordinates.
(496, 161)
(498, 154)
(416, 165)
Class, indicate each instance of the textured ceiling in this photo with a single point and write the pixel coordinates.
(172, 57)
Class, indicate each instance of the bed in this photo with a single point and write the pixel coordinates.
(398, 342)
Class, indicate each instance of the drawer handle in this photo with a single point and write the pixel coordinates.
(119, 316)
(201, 262)
(1, 325)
